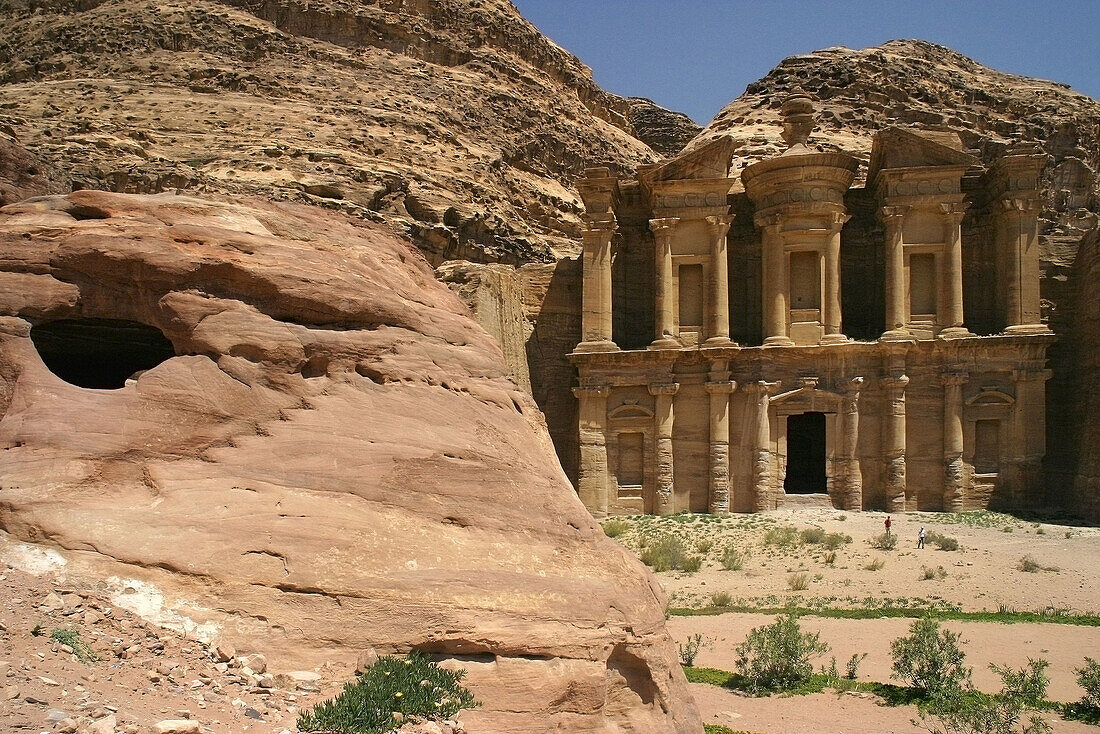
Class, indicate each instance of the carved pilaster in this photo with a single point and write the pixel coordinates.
(720, 390)
(849, 476)
(833, 327)
(719, 317)
(952, 311)
(592, 428)
(664, 301)
(893, 217)
(955, 479)
(596, 285)
(1016, 229)
(664, 501)
(774, 266)
(894, 441)
(763, 460)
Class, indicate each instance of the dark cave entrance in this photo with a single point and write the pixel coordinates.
(805, 454)
(99, 353)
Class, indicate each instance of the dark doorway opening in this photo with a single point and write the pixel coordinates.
(100, 353)
(805, 454)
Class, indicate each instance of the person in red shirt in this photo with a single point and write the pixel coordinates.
(887, 523)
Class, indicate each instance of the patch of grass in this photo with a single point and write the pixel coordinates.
(666, 553)
(885, 541)
(83, 651)
(413, 686)
(784, 536)
(798, 581)
(875, 565)
(615, 528)
(835, 540)
(1030, 565)
(704, 545)
(813, 535)
(928, 574)
(691, 564)
(721, 599)
(719, 729)
(1004, 616)
(943, 542)
(829, 558)
(732, 559)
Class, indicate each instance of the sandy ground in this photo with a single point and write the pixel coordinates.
(983, 574)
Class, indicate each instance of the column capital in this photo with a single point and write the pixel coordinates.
(1027, 375)
(1021, 206)
(893, 214)
(663, 388)
(592, 391)
(759, 387)
(604, 222)
(894, 382)
(954, 379)
(719, 224)
(954, 211)
(850, 388)
(837, 220)
(773, 222)
(719, 387)
(663, 227)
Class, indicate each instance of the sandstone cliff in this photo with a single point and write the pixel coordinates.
(455, 121)
(665, 131)
(330, 456)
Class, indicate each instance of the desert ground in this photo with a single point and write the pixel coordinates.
(985, 573)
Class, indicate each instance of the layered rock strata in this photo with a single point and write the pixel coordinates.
(329, 457)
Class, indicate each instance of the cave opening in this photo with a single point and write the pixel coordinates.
(100, 353)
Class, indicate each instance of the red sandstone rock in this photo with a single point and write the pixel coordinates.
(335, 460)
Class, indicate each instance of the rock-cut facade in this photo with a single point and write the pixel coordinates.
(790, 338)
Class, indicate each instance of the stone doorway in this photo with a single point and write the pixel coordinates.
(806, 454)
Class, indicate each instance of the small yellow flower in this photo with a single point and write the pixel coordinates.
(398, 694)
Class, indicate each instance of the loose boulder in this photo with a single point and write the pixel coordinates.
(331, 458)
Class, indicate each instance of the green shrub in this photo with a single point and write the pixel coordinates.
(835, 540)
(690, 649)
(813, 535)
(929, 658)
(785, 536)
(664, 553)
(704, 545)
(875, 565)
(885, 541)
(83, 651)
(778, 656)
(798, 581)
(1029, 684)
(413, 686)
(615, 528)
(851, 670)
(1088, 677)
(691, 564)
(943, 542)
(732, 559)
(1029, 564)
(721, 599)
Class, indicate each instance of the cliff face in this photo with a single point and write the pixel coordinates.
(666, 131)
(454, 121)
(312, 450)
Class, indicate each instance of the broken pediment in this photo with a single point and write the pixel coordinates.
(711, 160)
(896, 147)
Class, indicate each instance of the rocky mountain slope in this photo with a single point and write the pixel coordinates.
(455, 121)
(325, 455)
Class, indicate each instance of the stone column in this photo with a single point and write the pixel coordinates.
(850, 478)
(1017, 233)
(774, 262)
(954, 470)
(720, 387)
(832, 312)
(762, 459)
(664, 295)
(594, 477)
(893, 448)
(596, 286)
(664, 394)
(893, 218)
(718, 320)
(952, 311)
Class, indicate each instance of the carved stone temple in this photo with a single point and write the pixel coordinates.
(788, 335)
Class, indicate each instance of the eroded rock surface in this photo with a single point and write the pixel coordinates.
(664, 130)
(455, 121)
(335, 459)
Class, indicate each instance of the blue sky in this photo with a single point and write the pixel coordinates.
(697, 55)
